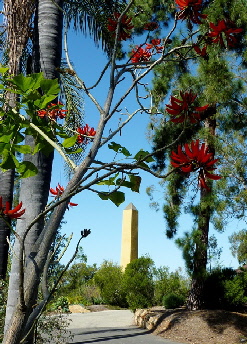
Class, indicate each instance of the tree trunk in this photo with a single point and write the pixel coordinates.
(17, 27)
(6, 191)
(34, 191)
(196, 295)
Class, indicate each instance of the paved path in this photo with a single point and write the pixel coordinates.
(110, 327)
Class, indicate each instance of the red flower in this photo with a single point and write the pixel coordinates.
(140, 55)
(154, 46)
(202, 52)
(12, 214)
(85, 134)
(195, 158)
(151, 26)
(53, 113)
(125, 26)
(183, 109)
(226, 27)
(189, 9)
(58, 193)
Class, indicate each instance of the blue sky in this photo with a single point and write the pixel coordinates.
(103, 217)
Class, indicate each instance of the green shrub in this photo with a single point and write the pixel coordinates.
(109, 280)
(53, 330)
(61, 304)
(138, 283)
(215, 288)
(236, 291)
(172, 301)
(166, 282)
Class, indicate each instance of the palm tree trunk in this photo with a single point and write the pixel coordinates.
(18, 15)
(6, 191)
(34, 191)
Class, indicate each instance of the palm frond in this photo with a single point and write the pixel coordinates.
(91, 16)
(72, 98)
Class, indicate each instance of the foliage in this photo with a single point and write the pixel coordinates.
(166, 282)
(3, 300)
(61, 304)
(138, 283)
(53, 330)
(238, 241)
(109, 279)
(171, 301)
(215, 80)
(77, 284)
(220, 28)
(215, 288)
(236, 291)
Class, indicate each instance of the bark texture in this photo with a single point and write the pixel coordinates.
(6, 191)
(34, 191)
(196, 295)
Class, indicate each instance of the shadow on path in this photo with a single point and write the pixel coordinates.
(128, 335)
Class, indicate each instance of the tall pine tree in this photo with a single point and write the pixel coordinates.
(216, 30)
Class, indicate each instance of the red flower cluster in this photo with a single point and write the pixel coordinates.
(182, 109)
(190, 9)
(85, 134)
(195, 158)
(12, 214)
(53, 113)
(202, 52)
(151, 26)
(224, 27)
(154, 46)
(124, 29)
(140, 55)
(58, 193)
(216, 35)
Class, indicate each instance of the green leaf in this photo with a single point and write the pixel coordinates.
(69, 142)
(116, 197)
(118, 148)
(133, 184)
(27, 169)
(24, 83)
(6, 138)
(25, 149)
(50, 87)
(71, 151)
(44, 101)
(103, 196)
(3, 70)
(38, 147)
(136, 182)
(141, 155)
(36, 79)
(9, 161)
(110, 181)
(33, 95)
(4, 146)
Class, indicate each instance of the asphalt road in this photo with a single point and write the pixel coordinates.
(110, 327)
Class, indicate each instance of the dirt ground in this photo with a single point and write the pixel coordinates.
(203, 327)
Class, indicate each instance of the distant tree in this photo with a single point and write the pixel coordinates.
(238, 241)
(166, 282)
(138, 283)
(109, 279)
